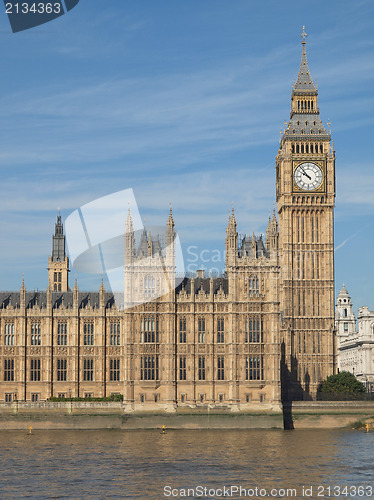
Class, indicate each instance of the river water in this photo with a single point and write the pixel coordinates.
(149, 465)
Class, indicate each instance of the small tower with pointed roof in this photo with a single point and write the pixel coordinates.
(231, 241)
(58, 262)
(129, 240)
(345, 318)
(170, 243)
(272, 235)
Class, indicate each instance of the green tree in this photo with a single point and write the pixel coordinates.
(343, 385)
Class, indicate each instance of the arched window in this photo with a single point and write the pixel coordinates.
(253, 285)
(9, 334)
(182, 330)
(149, 330)
(149, 286)
(345, 313)
(201, 330)
(220, 330)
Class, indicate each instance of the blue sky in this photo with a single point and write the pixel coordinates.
(183, 102)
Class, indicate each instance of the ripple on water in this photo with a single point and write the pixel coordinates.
(137, 464)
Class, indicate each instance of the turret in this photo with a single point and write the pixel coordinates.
(76, 295)
(23, 294)
(129, 240)
(345, 318)
(170, 241)
(231, 241)
(58, 262)
(272, 235)
(102, 295)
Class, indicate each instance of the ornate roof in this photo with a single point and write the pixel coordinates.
(304, 81)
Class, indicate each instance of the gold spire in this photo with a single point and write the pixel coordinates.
(303, 35)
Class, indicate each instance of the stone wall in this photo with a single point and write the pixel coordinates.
(114, 415)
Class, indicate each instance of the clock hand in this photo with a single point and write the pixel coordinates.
(306, 174)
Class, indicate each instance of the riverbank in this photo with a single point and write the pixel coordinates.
(116, 415)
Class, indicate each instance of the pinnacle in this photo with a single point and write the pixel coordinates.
(304, 81)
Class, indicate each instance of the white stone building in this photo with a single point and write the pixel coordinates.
(355, 339)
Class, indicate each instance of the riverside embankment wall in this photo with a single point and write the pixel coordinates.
(114, 415)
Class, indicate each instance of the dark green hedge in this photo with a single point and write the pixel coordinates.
(113, 397)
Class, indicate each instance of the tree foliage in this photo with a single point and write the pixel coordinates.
(341, 384)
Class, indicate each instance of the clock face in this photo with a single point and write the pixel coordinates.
(308, 176)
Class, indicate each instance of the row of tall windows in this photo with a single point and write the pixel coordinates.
(302, 223)
(115, 333)
(253, 285)
(309, 302)
(220, 330)
(254, 368)
(149, 330)
(35, 334)
(149, 286)
(114, 373)
(57, 276)
(182, 330)
(88, 330)
(307, 148)
(254, 329)
(57, 281)
(62, 333)
(8, 370)
(9, 334)
(61, 370)
(88, 369)
(201, 330)
(309, 342)
(149, 368)
(305, 105)
(35, 370)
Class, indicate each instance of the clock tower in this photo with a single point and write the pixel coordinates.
(305, 187)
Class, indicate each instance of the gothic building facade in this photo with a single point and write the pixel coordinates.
(261, 333)
(355, 339)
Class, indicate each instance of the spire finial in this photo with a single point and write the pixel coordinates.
(303, 35)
